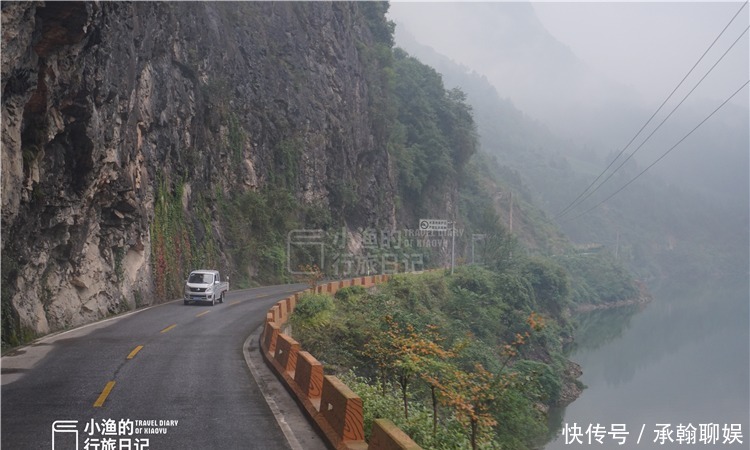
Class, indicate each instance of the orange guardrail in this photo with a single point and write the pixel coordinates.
(333, 407)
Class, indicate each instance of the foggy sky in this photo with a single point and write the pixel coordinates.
(643, 47)
(650, 46)
(594, 72)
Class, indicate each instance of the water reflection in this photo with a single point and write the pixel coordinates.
(682, 359)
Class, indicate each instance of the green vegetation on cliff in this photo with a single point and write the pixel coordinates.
(433, 136)
(433, 159)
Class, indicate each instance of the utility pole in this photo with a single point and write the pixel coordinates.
(453, 245)
(498, 196)
(472, 249)
(511, 212)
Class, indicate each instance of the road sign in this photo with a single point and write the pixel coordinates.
(433, 225)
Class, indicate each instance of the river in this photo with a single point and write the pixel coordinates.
(681, 360)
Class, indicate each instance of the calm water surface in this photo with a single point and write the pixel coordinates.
(682, 359)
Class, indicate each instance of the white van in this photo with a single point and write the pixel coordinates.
(205, 286)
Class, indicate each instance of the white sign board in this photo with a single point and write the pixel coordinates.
(433, 225)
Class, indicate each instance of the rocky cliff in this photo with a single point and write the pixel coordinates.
(108, 106)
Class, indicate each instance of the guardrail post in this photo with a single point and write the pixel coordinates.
(282, 312)
(270, 335)
(386, 435)
(286, 353)
(309, 375)
(342, 409)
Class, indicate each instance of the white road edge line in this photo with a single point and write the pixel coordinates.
(55, 335)
(285, 428)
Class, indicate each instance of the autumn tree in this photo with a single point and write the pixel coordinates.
(472, 394)
(436, 367)
(404, 353)
(378, 349)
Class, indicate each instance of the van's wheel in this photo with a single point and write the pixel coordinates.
(213, 300)
(185, 301)
(221, 300)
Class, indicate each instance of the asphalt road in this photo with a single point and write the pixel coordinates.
(167, 377)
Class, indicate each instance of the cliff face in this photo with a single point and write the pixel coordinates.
(103, 103)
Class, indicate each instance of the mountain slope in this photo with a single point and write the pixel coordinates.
(657, 226)
(114, 112)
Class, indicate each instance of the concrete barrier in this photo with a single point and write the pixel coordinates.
(288, 304)
(286, 353)
(283, 315)
(329, 404)
(308, 375)
(342, 409)
(276, 314)
(386, 435)
(270, 335)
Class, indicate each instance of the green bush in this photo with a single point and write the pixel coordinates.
(313, 310)
(474, 279)
(548, 382)
(313, 327)
(550, 283)
(477, 312)
(349, 294)
(520, 423)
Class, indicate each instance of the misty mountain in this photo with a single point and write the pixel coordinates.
(507, 45)
(715, 159)
(658, 222)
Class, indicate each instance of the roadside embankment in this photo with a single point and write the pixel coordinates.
(643, 297)
(335, 410)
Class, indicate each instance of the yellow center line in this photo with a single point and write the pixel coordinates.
(202, 314)
(103, 396)
(134, 352)
(236, 302)
(168, 328)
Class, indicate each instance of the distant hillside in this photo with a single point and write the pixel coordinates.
(542, 76)
(654, 226)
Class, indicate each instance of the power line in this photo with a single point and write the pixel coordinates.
(664, 120)
(576, 201)
(664, 154)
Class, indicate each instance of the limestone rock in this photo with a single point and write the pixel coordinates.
(102, 101)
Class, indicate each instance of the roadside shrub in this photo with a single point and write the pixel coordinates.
(548, 381)
(475, 279)
(313, 310)
(312, 325)
(349, 294)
